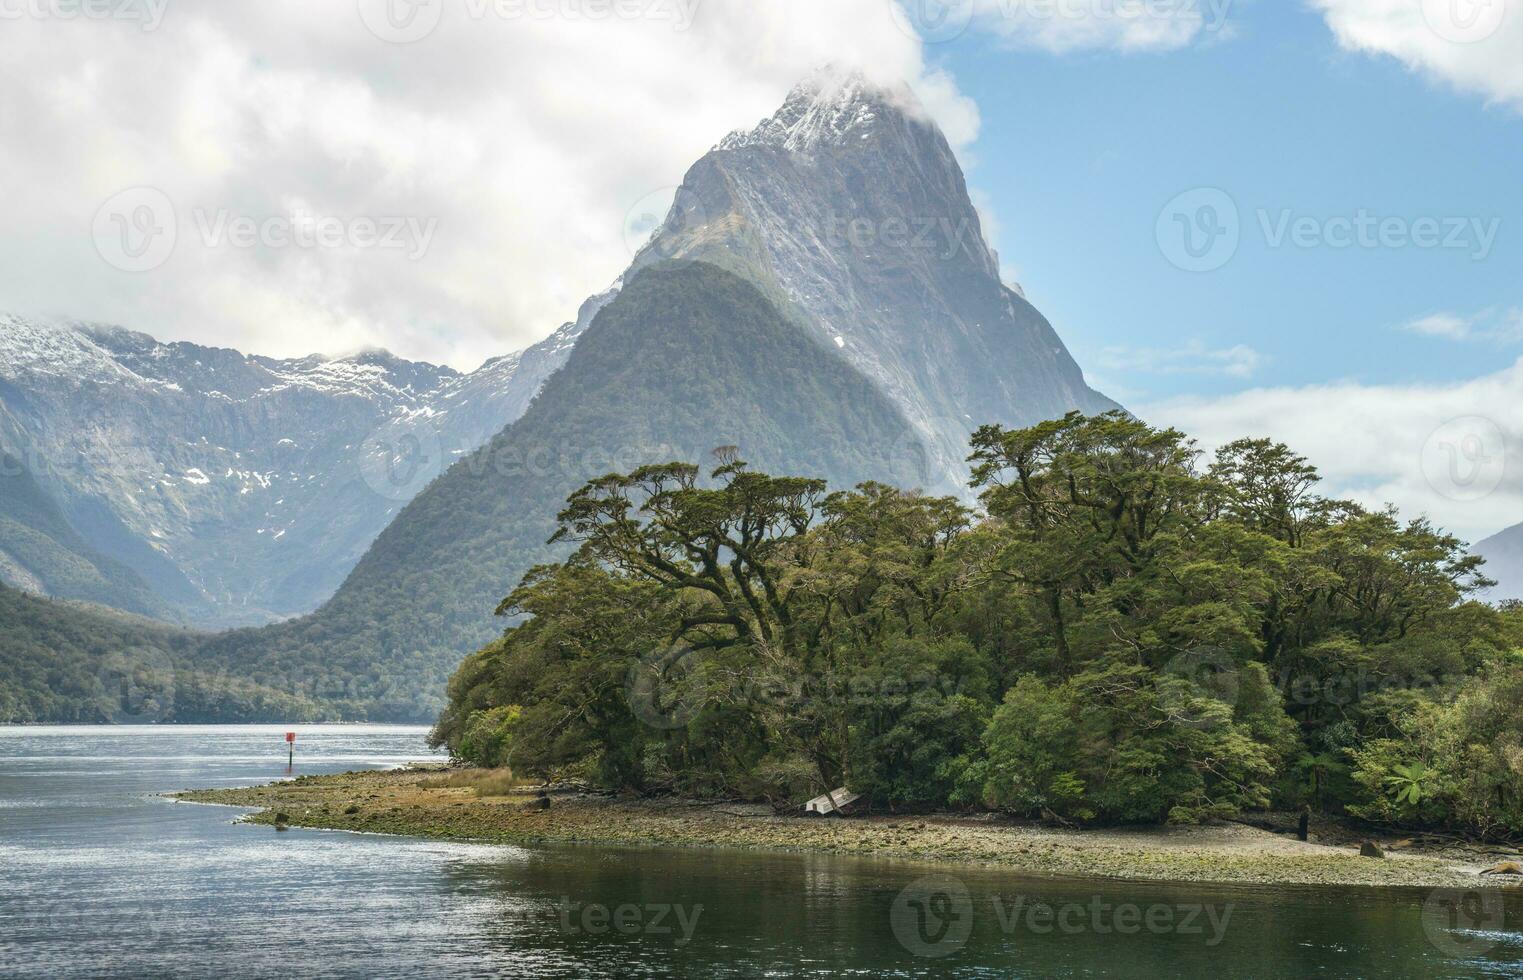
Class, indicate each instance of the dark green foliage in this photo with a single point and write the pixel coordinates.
(751, 636)
(918, 712)
(1123, 745)
(1125, 636)
(686, 359)
(67, 662)
(1456, 760)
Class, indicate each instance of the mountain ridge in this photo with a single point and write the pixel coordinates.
(820, 294)
(849, 207)
(241, 487)
(40, 552)
(1503, 552)
(684, 359)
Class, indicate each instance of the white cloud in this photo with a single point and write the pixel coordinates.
(1062, 26)
(1474, 45)
(1489, 325)
(1238, 361)
(1452, 452)
(1450, 326)
(527, 138)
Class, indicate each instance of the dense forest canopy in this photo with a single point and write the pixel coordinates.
(687, 356)
(71, 662)
(1123, 631)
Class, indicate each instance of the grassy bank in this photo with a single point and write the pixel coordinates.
(465, 806)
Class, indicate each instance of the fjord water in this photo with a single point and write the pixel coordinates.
(101, 876)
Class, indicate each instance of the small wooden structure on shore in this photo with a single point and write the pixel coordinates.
(839, 802)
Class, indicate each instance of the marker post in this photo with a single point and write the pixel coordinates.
(290, 749)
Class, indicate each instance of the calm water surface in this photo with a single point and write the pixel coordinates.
(99, 876)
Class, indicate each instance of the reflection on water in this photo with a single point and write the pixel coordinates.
(103, 877)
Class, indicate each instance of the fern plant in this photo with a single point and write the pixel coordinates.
(1406, 783)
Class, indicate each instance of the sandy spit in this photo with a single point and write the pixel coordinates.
(404, 802)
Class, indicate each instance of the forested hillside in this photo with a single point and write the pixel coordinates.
(67, 662)
(1132, 634)
(686, 359)
(240, 489)
(42, 553)
(759, 314)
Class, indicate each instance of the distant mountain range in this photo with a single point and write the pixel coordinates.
(42, 553)
(1504, 563)
(821, 295)
(238, 489)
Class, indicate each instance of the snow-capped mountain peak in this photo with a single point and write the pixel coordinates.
(828, 108)
(242, 487)
(848, 204)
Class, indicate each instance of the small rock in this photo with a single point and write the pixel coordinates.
(352, 808)
(1370, 849)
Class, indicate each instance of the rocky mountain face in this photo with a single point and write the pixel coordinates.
(240, 489)
(41, 553)
(849, 209)
(1504, 563)
(687, 358)
(820, 295)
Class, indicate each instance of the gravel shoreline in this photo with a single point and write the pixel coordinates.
(411, 802)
